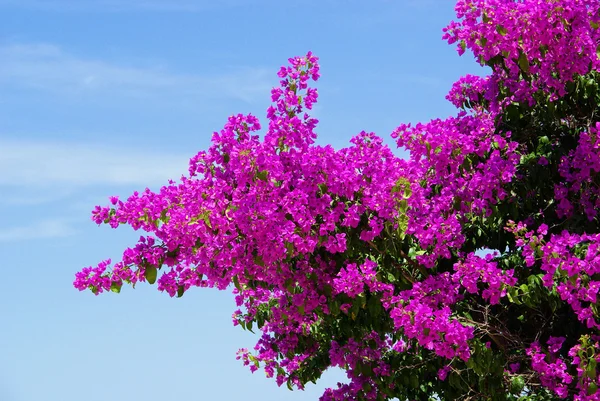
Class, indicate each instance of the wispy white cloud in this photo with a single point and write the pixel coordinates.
(71, 166)
(48, 67)
(71, 177)
(44, 229)
(179, 5)
(120, 5)
(32, 197)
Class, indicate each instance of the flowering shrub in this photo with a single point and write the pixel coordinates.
(470, 270)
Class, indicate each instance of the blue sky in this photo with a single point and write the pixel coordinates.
(104, 97)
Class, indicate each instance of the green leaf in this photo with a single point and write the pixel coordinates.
(262, 175)
(150, 272)
(290, 249)
(115, 286)
(367, 370)
(403, 206)
(592, 388)
(523, 63)
(501, 30)
(334, 308)
(236, 282)
(511, 295)
(355, 309)
(373, 306)
(590, 371)
(180, 291)
(206, 218)
(402, 225)
(517, 384)
(362, 300)
(259, 261)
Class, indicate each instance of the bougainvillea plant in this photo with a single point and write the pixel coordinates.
(468, 271)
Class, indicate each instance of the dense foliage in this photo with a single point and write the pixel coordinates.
(470, 270)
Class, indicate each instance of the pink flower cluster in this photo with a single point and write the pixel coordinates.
(353, 281)
(424, 313)
(551, 368)
(532, 45)
(314, 239)
(270, 215)
(356, 357)
(579, 192)
(475, 270)
(470, 91)
(585, 358)
(465, 165)
(570, 262)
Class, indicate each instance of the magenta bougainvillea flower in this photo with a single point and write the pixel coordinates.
(468, 270)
